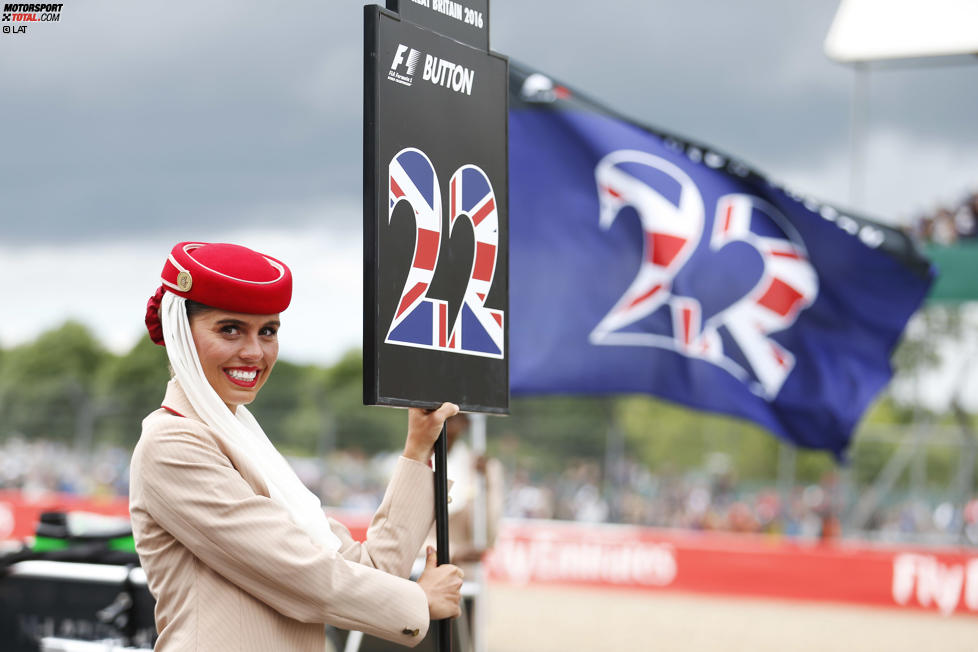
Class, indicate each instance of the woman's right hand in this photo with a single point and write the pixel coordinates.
(424, 426)
(442, 586)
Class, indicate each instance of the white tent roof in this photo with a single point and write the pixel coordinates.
(869, 30)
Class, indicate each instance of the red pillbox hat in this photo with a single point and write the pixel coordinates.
(228, 277)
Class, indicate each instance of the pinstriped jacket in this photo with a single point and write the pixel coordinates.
(231, 571)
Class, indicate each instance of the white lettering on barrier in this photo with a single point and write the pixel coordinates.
(935, 582)
(550, 560)
(903, 574)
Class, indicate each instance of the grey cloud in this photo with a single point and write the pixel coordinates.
(728, 74)
(129, 118)
(136, 131)
(749, 77)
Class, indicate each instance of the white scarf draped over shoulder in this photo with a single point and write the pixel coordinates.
(239, 428)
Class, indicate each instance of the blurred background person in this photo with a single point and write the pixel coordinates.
(466, 469)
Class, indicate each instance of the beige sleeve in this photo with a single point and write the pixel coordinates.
(191, 489)
(399, 526)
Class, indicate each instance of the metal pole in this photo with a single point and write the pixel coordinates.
(479, 516)
(614, 459)
(857, 137)
(908, 448)
(480, 534)
(786, 474)
(965, 476)
(441, 526)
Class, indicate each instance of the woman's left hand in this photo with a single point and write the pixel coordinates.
(424, 426)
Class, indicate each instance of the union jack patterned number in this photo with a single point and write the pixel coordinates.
(422, 321)
(672, 215)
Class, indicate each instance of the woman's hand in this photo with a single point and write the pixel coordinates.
(442, 586)
(424, 426)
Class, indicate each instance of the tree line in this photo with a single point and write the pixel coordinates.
(66, 386)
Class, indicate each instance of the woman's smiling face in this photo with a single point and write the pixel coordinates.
(237, 352)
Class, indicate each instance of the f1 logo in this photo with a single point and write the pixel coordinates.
(399, 55)
(412, 58)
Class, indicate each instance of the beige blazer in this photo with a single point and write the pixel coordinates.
(231, 571)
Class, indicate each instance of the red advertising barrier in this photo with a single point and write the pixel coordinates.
(20, 513)
(709, 562)
(945, 580)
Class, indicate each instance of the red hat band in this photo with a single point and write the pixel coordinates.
(228, 277)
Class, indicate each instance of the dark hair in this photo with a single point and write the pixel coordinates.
(195, 308)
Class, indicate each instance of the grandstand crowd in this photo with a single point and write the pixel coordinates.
(949, 224)
(705, 499)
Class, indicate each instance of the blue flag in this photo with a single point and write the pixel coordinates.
(643, 262)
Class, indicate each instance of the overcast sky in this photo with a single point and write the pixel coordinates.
(129, 126)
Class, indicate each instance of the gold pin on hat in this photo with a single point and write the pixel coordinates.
(185, 281)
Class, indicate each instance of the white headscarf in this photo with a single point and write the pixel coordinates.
(239, 428)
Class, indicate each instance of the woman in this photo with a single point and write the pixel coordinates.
(237, 552)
